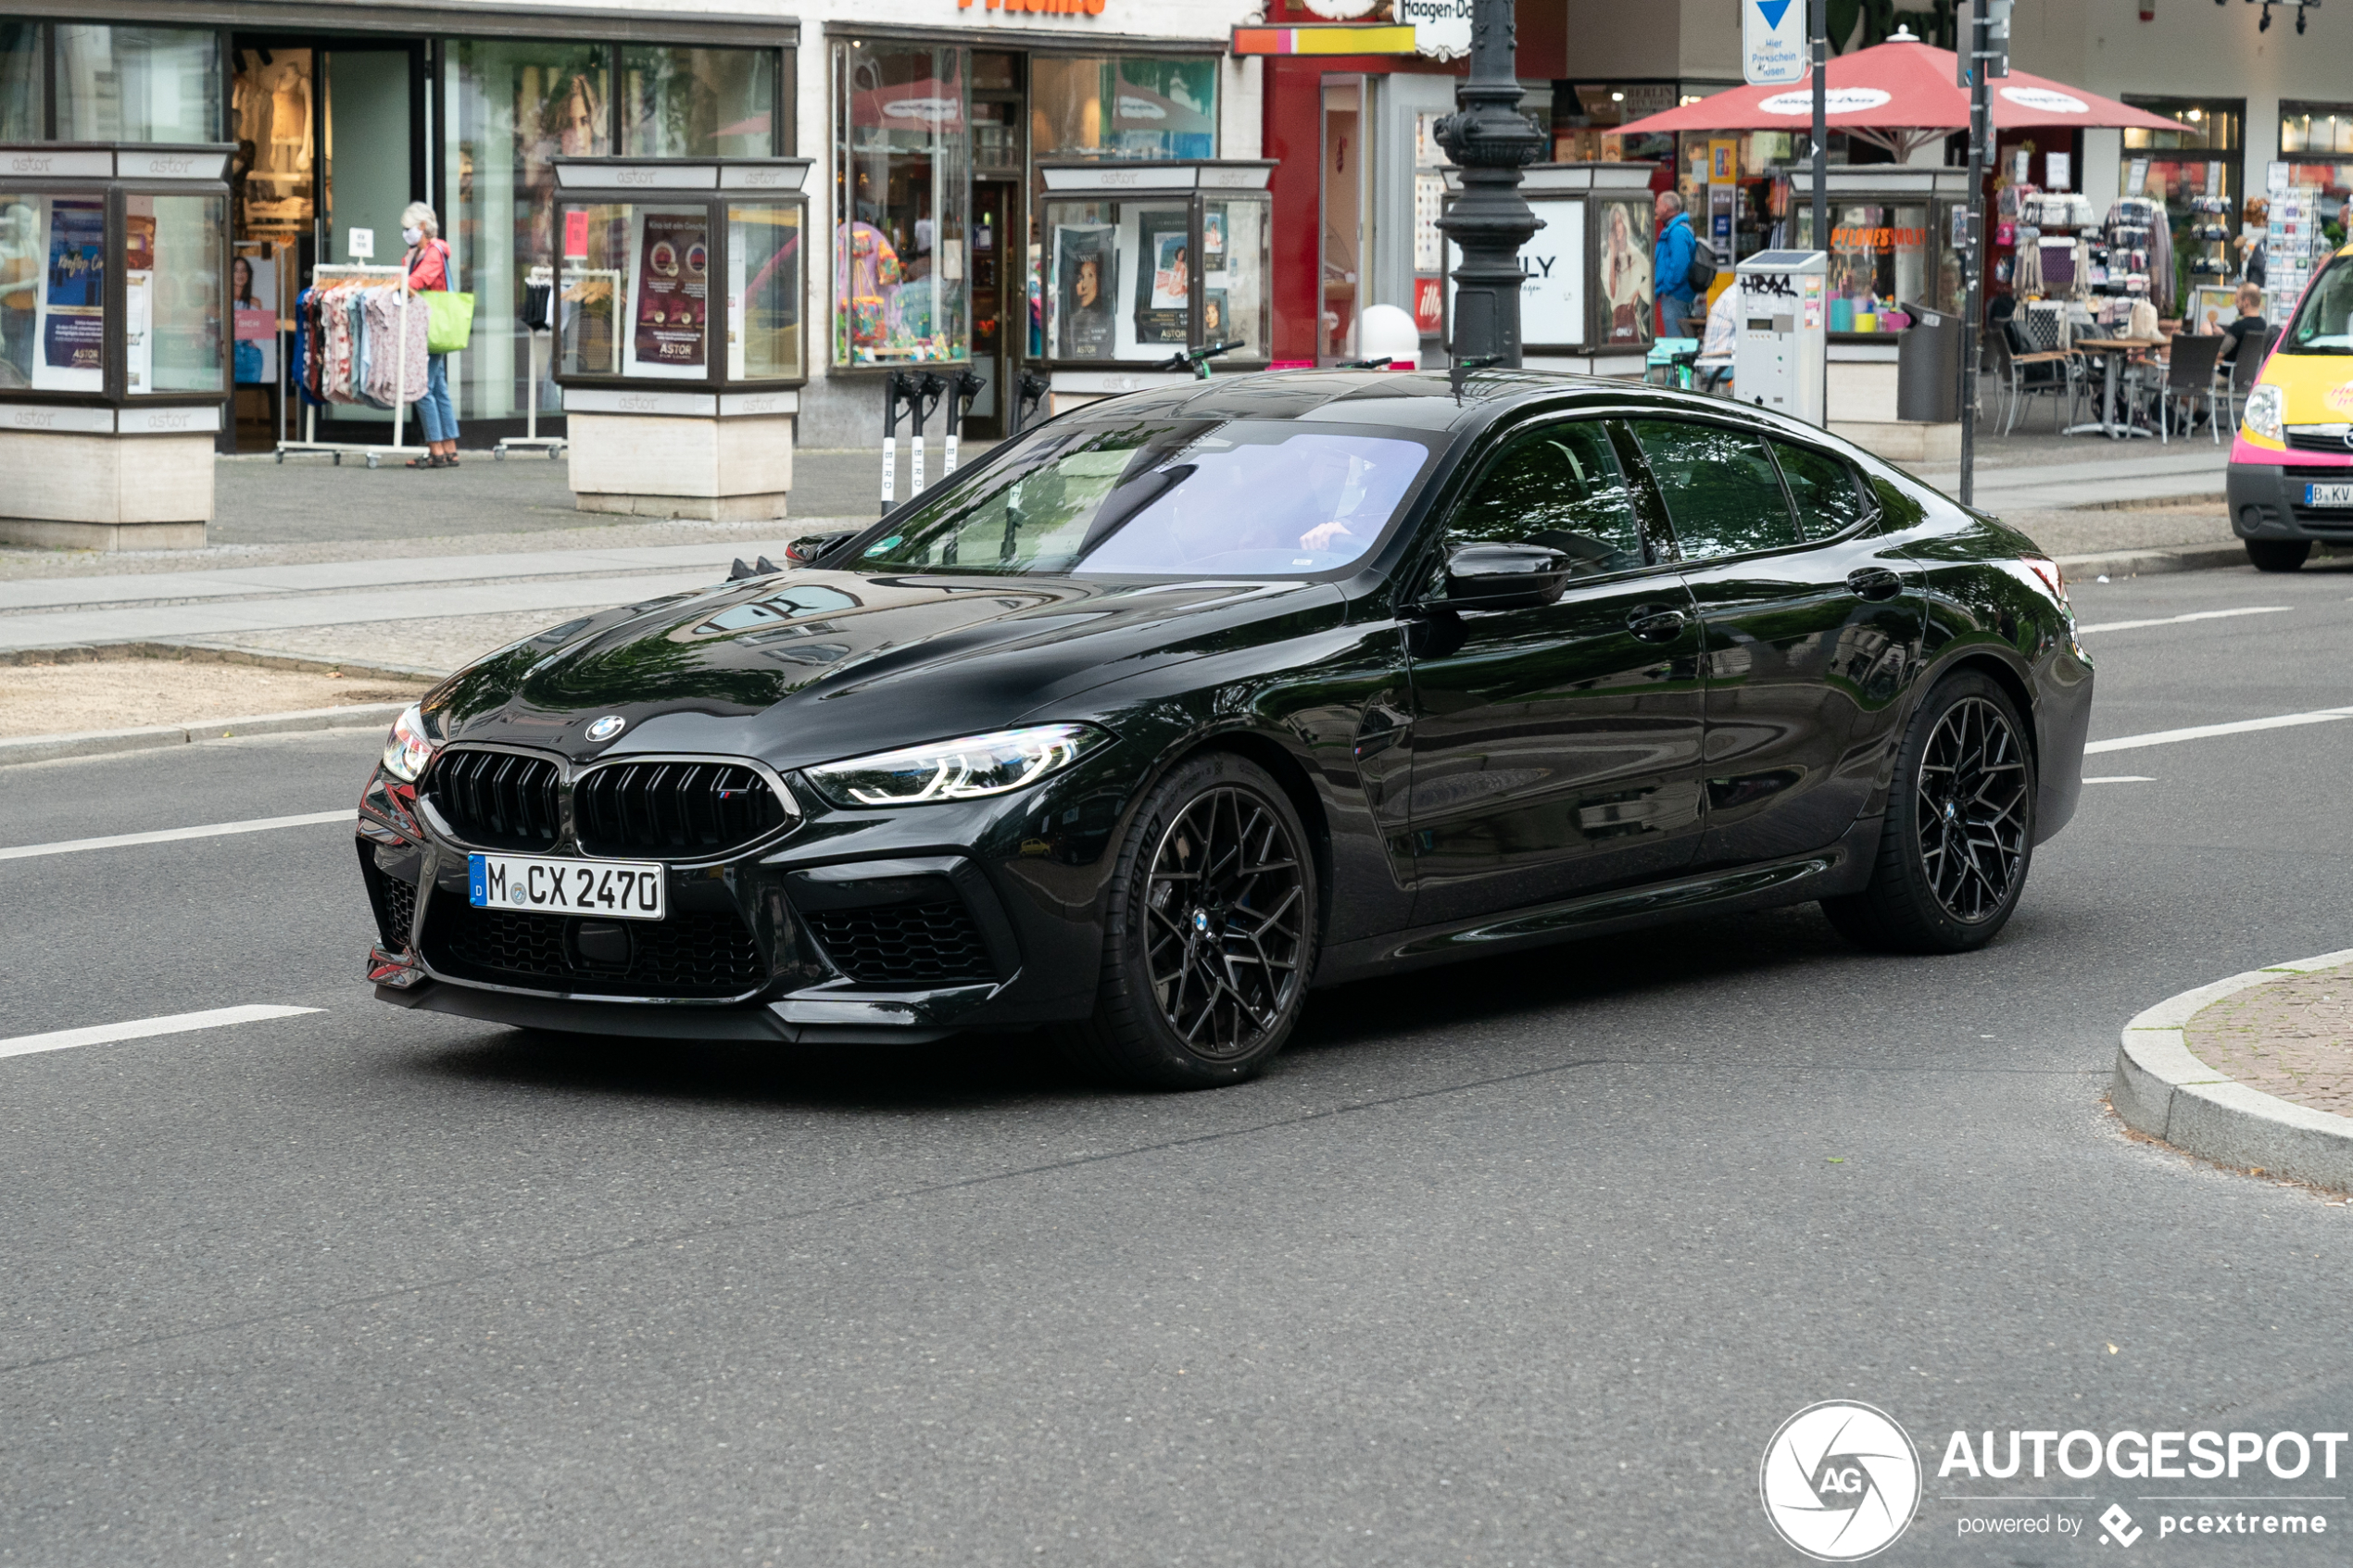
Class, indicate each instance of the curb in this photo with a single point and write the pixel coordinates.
(215, 653)
(2164, 1091)
(101, 743)
(2149, 563)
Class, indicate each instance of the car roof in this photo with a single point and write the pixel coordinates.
(1421, 399)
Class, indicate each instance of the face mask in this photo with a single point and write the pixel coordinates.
(414, 236)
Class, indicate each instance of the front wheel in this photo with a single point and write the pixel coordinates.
(1210, 936)
(1960, 830)
(2278, 555)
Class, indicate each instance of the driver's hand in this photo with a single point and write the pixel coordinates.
(1320, 537)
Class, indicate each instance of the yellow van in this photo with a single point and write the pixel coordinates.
(2291, 475)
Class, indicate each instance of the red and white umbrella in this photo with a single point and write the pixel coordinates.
(1898, 96)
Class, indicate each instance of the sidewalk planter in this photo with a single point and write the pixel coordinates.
(1146, 258)
(114, 342)
(678, 332)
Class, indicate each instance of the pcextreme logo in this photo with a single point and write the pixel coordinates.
(1840, 1481)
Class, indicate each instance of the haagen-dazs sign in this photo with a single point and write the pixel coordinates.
(1061, 7)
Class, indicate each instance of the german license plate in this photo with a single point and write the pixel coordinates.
(610, 889)
(2328, 495)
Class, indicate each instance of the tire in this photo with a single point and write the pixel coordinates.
(1960, 830)
(2278, 555)
(1197, 993)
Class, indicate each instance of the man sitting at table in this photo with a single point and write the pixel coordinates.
(2249, 324)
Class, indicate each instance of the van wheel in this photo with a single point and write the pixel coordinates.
(2278, 555)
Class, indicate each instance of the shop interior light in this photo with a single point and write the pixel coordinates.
(1618, 97)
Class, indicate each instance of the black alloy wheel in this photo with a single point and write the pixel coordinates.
(1211, 939)
(2278, 555)
(1959, 832)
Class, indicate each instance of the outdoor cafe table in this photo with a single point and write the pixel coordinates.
(2112, 351)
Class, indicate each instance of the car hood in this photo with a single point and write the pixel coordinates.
(811, 666)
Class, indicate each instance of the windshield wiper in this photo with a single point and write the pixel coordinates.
(1130, 498)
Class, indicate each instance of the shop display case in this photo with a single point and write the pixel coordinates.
(1587, 305)
(114, 323)
(1145, 259)
(642, 243)
(679, 336)
(1891, 245)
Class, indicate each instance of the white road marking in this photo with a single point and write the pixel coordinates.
(2177, 620)
(2205, 731)
(165, 836)
(2123, 778)
(171, 1023)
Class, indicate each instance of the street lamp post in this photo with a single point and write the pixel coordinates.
(1491, 142)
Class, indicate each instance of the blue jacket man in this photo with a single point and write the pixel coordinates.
(1671, 264)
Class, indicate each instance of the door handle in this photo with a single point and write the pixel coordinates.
(1657, 623)
(1874, 582)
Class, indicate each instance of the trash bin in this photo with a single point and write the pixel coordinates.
(1928, 366)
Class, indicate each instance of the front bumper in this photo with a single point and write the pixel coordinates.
(2267, 501)
(897, 926)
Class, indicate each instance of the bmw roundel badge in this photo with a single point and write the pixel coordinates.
(607, 727)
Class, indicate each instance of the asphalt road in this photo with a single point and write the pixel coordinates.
(1517, 1263)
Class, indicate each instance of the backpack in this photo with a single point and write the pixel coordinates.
(1702, 272)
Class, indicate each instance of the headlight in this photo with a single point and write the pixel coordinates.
(409, 747)
(2266, 413)
(957, 770)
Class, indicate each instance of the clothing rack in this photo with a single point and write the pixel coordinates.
(373, 452)
(538, 278)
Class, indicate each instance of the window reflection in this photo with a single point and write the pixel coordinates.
(1559, 486)
(1722, 492)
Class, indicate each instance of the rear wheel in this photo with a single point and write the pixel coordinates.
(1210, 933)
(1959, 831)
(2278, 555)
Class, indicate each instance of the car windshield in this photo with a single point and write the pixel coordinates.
(1167, 497)
(2324, 325)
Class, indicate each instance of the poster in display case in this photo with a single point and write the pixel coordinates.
(1146, 259)
(645, 240)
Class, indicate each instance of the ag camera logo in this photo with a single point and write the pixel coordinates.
(1840, 1481)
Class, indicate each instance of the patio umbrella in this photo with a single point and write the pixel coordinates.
(1900, 95)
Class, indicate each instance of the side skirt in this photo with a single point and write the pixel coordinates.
(1841, 868)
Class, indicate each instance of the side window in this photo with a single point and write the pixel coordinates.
(1558, 485)
(1722, 493)
(1824, 488)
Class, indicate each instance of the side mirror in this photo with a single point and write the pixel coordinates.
(1505, 576)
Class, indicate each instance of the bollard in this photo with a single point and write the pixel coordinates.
(963, 387)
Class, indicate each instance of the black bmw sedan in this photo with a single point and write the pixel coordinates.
(1186, 702)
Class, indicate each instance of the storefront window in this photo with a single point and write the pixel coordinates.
(23, 84)
(2309, 134)
(636, 290)
(764, 291)
(902, 172)
(697, 103)
(1123, 107)
(137, 84)
(173, 294)
(271, 120)
(512, 108)
(2201, 158)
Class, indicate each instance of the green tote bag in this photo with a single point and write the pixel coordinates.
(450, 320)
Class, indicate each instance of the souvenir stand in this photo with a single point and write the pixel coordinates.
(679, 396)
(1590, 302)
(399, 320)
(114, 342)
(1146, 260)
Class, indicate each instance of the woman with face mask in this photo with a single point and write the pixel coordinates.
(428, 263)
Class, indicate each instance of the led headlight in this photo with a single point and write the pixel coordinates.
(957, 770)
(408, 748)
(2266, 409)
